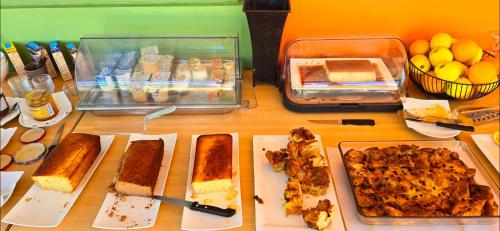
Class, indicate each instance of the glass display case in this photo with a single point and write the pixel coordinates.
(140, 75)
(344, 74)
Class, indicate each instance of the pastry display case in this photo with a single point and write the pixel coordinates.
(344, 74)
(140, 75)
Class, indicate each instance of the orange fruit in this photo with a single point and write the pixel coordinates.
(493, 60)
(496, 137)
(419, 47)
(482, 72)
(433, 85)
(464, 50)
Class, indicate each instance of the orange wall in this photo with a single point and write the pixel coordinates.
(407, 19)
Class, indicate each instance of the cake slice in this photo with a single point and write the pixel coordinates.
(67, 165)
(293, 197)
(212, 169)
(140, 167)
(350, 71)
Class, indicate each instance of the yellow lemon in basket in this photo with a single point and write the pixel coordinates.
(448, 71)
(421, 62)
(496, 137)
(441, 40)
(463, 68)
(440, 55)
(464, 50)
(483, 72)
(433, 84)
(419, 47)
(461, 89)
(477, 57)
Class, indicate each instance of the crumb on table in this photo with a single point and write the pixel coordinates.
(258, 199)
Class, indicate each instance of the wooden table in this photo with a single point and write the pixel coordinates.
(270, 117)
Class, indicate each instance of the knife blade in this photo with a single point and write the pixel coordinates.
(193, 205)
(369, 122)
(54, 142)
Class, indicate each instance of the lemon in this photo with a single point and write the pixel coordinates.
(496, 137)
(441, 40)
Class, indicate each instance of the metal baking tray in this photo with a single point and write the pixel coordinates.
(465, 155)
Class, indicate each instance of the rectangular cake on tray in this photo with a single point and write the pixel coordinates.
(67, 165)
(212, 170)
(140, 167)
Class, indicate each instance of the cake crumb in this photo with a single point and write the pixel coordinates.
(207, 201)
(231, 194)
(258, 199)
(263, 149)
(148, 205)
(226, 221)
(194, 195)
(28, 199)
(123, 218)
(65, 204)
(234, 205)
(235, 173)
(111, 213)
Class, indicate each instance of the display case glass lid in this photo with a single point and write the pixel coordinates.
(123, 73)
(335, 71)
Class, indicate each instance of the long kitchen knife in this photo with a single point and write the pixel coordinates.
(198, 207)
(54, 142)
(440, 122)
(369, 122)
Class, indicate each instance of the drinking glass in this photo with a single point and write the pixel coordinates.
(20, 85)
(43, 81)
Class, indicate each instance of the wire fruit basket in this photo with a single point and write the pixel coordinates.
(447, 89)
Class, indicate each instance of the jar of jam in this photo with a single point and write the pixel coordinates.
(4, 106)
(41, 104)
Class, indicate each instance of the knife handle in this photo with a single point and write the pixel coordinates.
(456, 126)
(358, 122)
(212, 210)
(49, 151)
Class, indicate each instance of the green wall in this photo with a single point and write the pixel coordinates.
(68, 20)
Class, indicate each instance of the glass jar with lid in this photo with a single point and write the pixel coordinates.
(41, 104)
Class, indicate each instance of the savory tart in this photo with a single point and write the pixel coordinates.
(293, 197)
(407, 180)
(320, 216)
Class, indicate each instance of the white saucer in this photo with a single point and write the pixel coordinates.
(12, 114)
(432, 130)
(63, 104)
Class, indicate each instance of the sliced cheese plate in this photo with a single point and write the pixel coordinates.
(46, 208)
(270, 186)
(193, 220)
(134, 212)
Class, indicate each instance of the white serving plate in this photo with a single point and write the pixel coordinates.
(140, 212)
(270, 186)
(63, 104)
(46, 208)
(428, 129)
(193, 220)
(13, 113)
(8, 184)
(6, 135)
(489, 148)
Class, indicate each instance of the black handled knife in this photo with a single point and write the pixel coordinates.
(369, 122)
(197, 206)
(54, 142)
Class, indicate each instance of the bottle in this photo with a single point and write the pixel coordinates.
(4, 106)
(41, 104)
